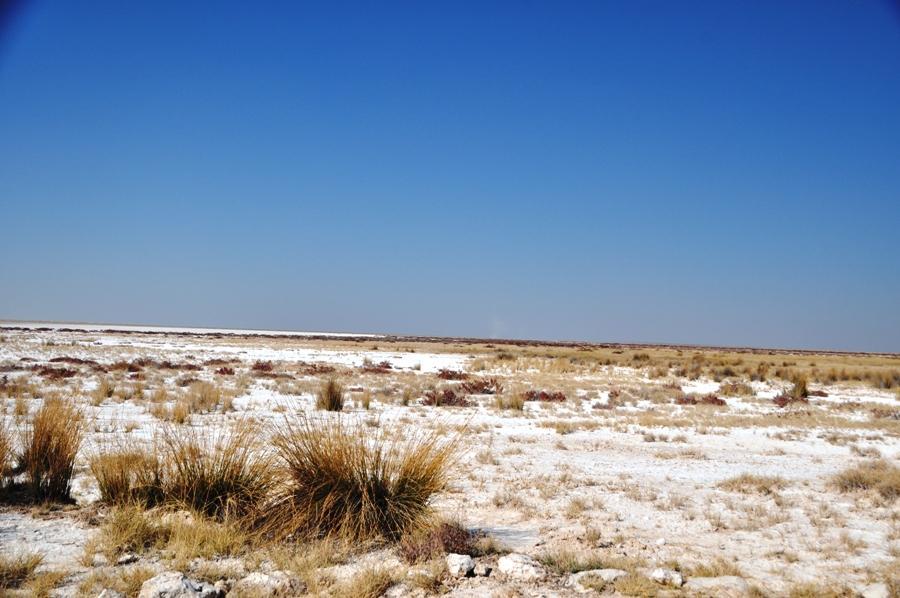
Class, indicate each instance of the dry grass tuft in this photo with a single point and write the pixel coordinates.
(330, 396)
(350, 481)
(369, 583)
(127, 474)
(717, 568)
(7, 451)
(748, 482)
(224, 475)
(15, 569)
(877, 475)
(51, 444)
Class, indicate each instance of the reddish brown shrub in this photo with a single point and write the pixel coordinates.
(443, 539)
(262, 366)
(885, 414)
(481, 387)
(311, 369)
(225, 371)
(52, 373)
(444, 398)
(378, 368)
(783, 400)
(709, 399)
(544, 396)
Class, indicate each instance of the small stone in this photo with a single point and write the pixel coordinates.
(459, 565)
(482, 570)
(727, 586)
(107, 593)
(520, 566)
(127, 558)
(667, 578)
(173, 584)
(661, 542)
(876, 590)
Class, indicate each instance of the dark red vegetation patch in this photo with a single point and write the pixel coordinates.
(378, 368)
(444, 398)
(481, 387)
(226, 371)
(785, 400)
(544, 396)
(52, 373)
(451, 375)
(262, 366)
(311, 369)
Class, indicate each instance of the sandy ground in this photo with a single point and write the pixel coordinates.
(641, 481)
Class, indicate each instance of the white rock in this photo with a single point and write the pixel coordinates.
(520, 566)
(459, 565)
(876, 590)
(127, 558)
(107, 593)
(482, 570)
(576, 580)
(661, 542)
(727, 586)
(173, 584)
(274, 583)
(667, 578)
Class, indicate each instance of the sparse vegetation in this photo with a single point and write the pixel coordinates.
(330, 396)
(51, 444)
(352, 482)
(877, 474)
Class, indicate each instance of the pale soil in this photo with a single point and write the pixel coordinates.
(640, 480)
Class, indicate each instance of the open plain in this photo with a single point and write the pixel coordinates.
(689, 470)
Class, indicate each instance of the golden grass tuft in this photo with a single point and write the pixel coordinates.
(15, 569)
(718, 568)
(330, 396)
(51, 444)
(7, 451)
(877, 474)
(128, 473)
(224, 475)
(348, 480)
(748, 482)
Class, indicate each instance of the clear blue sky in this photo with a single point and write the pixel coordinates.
(689, 172)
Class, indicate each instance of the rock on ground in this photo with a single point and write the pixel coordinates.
(875, 590)
(520, 566)
(459, 565)
(173, 584)
(274, 583)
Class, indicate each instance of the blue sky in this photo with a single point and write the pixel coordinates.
(701, 172)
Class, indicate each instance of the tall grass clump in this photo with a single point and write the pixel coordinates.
(330, 396)
(225, 475)
(51, 443)
(17, 568)
(346, 480)
(7, 450)
(128, 474)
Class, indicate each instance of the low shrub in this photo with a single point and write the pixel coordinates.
(445, 537)
(507, 402)
(349, 480)
(748, 482)
(451, 375)
(7, 451)
(783, 401)
(481, 387)
(51, 444)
